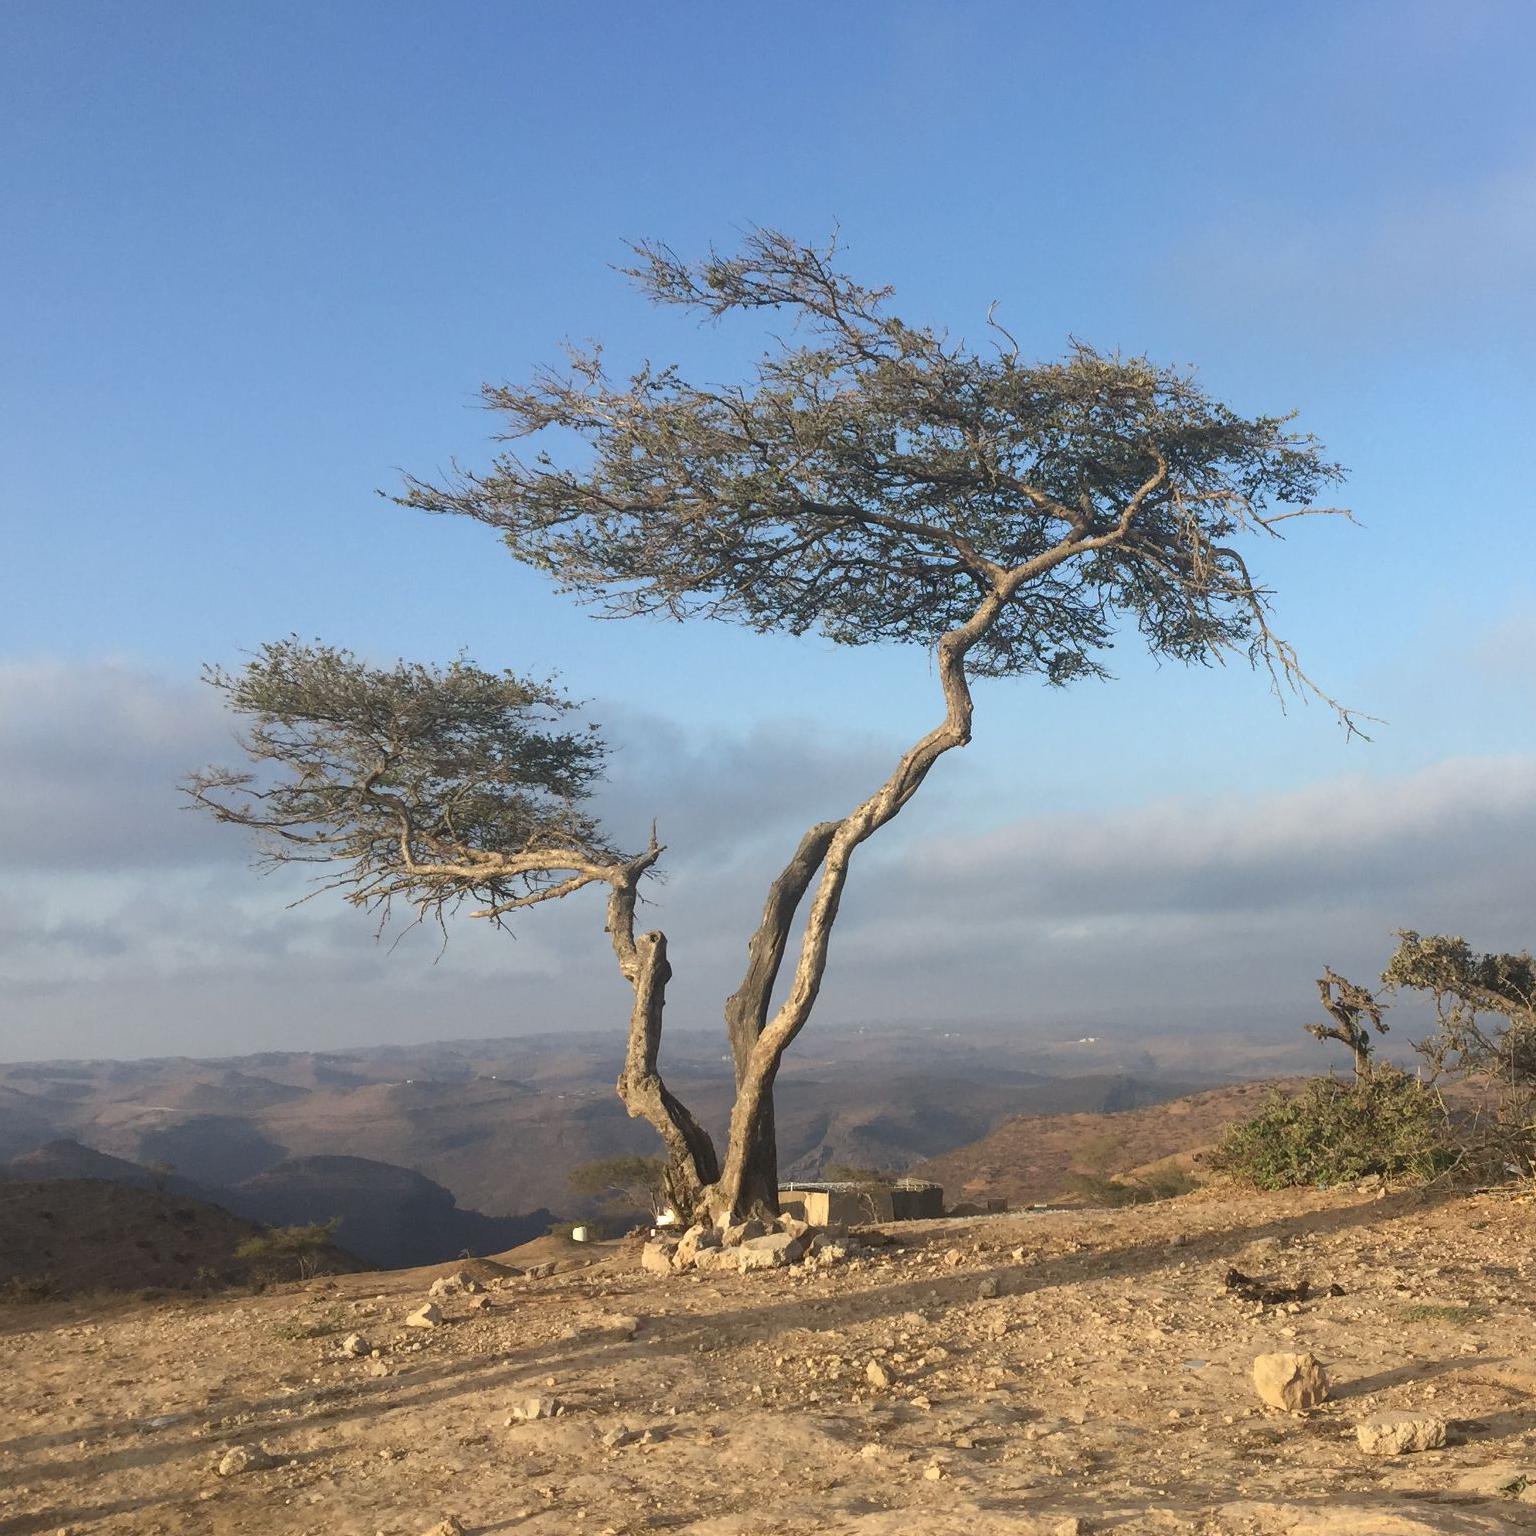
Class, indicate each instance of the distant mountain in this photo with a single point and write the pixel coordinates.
(67, 1159)
(501, 1123)
(62, 1236)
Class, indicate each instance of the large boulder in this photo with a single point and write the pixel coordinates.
(693, 1241)
(773, 1250)
(1396, 1434)
(1294, 1382)
(656, 1257)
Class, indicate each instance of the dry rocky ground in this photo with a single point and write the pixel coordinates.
(1072, 1372)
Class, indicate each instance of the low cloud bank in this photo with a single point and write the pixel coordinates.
(128, 926)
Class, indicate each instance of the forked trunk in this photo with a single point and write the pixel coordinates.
(754, 1190)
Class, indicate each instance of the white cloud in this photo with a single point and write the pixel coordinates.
(112, 930)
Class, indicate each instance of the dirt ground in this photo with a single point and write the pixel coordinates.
(1106, 1383)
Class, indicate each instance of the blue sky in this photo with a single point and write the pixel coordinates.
(260, 258)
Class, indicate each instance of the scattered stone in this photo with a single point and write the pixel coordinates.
(377, 1368)
(933, 1472)
(989, 1288)
(354, 1346)
(479, 1303)
(452, 1526)
(1518, 1374)
(878, 1376)
(1071, 1526)
(625, 1326)
(529, 1408)
(1396, 1434)
(744, 1231)
(426, 1316)
(244, 1458)
(655, 1257)
(1294, 1382)
(456, 1284)
(954, 1258)
(618, 1436)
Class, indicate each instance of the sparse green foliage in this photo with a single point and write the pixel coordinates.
(432, 784)
(301, 1247)
(1430, 1312)
(874, 478)
(1485, 1004)
(1334, 1132)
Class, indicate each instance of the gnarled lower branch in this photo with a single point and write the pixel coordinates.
(693, 1162)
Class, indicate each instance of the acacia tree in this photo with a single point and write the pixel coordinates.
(1485, 1004)
(1355, 1012)
(876, 481)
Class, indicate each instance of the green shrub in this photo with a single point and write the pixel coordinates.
(304, 1247)
(1335, 1132)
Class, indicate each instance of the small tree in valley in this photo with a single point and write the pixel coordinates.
(626, 1183)
(873, 480)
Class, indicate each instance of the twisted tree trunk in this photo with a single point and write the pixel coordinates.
(693, 1165)
(751, 1116)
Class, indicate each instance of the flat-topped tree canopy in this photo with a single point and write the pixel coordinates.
(872, 478)
(433, 784)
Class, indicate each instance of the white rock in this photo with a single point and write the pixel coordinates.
(1295, 1382)
(425, 1316)
(243, 1458)
(528, 1408)
(1396, 1434)
(878, 1375)
(354, 1346)
(656, 1257)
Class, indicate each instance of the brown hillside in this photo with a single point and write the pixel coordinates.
(1027, 1160)
(68, 1236)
